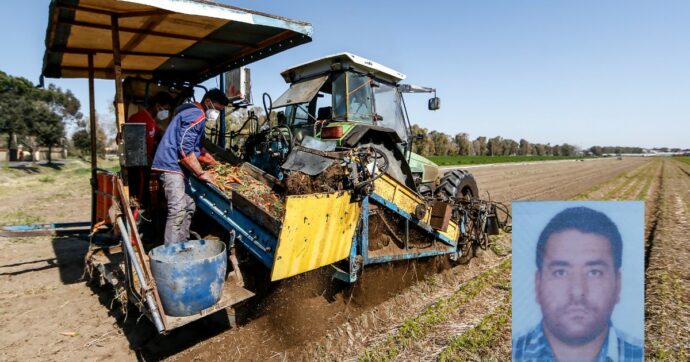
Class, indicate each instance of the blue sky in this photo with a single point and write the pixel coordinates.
(582, 72)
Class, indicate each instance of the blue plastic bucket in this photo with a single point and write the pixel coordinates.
(189, 275)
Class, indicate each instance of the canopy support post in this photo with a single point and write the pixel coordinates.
(221, 125)
(119, 98)
(92, 134)
(117, 68)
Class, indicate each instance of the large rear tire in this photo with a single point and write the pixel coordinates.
(462, 185)
(459, 184)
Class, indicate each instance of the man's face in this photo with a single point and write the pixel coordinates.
(578, 286)
(209, 104)
(161, 107)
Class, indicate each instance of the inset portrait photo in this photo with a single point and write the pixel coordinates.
(578, 281)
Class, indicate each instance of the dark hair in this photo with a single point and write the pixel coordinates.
(216, 96)
(584, 220)
(162, 98)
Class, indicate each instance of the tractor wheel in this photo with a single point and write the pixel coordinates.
(459, 184)
(395, 162)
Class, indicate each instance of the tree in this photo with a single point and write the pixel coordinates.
(476, 148)
(81, 140)
(16, 95)
(424, 145)
(495, 146)
(568, 150)
(481, 146)
(462, 142)
(441, 143)
(509, 147)
(596, 150)
(525, 148)
(36, 115)
(48, 128)
(539, 149)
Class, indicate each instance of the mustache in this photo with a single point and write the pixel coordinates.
(581, 305)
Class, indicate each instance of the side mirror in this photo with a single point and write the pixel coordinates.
(434, 103)
(419, 137)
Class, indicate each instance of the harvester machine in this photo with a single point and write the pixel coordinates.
(350, 215)
(345, 188)
(332, 182)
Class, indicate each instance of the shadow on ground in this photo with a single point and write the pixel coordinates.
(69, 258)
(140, 332)
(32, 168)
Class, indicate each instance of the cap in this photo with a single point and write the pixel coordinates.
(217, 96)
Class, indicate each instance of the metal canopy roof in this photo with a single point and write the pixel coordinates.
(347, 60)
(174, 40)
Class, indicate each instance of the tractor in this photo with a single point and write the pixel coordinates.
(349, 192)
(345, 101)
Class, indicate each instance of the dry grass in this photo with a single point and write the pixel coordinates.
(41, 193)
(667, 318)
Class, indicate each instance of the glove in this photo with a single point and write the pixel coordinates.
(191, 163)
(208, 178)
(207, 159)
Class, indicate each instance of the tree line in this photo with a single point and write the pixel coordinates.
(35, 116)
(435, 143)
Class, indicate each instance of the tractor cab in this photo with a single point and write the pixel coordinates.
(343, 89)
(346, 100)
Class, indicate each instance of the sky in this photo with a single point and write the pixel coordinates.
(580, 72)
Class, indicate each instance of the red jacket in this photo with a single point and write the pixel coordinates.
(143, 116)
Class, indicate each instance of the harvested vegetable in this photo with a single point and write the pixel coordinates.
(255, 191)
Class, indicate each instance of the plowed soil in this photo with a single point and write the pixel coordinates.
(405, 311)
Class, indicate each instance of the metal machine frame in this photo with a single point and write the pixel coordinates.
(120, 39)
(262, 243)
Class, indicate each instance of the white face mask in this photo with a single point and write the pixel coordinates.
(162, 114)
(212, 114)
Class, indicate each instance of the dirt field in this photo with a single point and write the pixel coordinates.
(408, 311)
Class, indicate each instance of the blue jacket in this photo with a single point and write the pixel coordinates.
(185, 134)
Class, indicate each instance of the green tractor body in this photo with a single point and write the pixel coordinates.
(350, 101)
(342, 102)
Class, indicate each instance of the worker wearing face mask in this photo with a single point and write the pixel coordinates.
(157, 112)
(181, 154)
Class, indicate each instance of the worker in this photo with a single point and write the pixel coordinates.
(181, 154)
(157, 111)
